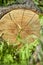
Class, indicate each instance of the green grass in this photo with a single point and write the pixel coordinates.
(10, 54)
(9, 2)
(6, 2)
(39, 3)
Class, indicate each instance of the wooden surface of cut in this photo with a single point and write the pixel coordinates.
(23, 21)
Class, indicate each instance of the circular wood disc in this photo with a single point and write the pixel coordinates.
(23, 21)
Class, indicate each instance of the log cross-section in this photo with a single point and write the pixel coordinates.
(23, 21)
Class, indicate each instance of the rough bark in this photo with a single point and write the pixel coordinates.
(28, 4)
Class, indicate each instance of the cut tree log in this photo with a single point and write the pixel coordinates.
(23, 21)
